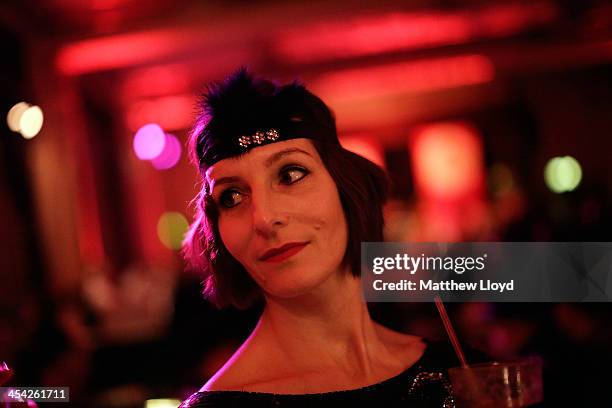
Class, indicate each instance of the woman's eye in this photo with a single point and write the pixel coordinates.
(230, 198)
(292, 174)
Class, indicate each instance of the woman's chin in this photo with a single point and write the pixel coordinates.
(286, 286)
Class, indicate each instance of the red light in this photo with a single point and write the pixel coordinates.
(170, 112)
(406, 77)
(373, 35)
(408, 31)
(117, 51)
(447, 161)
(156, 81)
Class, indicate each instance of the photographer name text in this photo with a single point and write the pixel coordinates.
(447, 285)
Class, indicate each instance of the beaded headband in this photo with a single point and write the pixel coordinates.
(240, 143)
(258, 138)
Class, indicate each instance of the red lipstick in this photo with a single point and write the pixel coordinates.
(283, 252)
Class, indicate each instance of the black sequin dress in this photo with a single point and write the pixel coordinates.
(424, 384)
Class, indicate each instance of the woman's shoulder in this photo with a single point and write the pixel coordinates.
(226, 387)
(436, 354)
(397, 338)
(251, 363)
(238, 371)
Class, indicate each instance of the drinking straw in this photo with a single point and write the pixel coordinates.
(452, 335)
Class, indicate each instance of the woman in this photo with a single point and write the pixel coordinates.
(281, 215)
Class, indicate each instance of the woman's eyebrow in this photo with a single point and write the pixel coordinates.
(225, 180)
(279, 155)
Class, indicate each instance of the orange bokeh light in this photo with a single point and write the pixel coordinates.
(447, 160)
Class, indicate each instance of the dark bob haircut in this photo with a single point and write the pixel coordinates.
(361, 184)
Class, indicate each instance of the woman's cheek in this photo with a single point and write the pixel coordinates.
(232, 237)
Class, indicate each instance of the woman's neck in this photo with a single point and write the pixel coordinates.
(329, 329)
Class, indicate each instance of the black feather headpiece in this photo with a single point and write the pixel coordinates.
(244, 112)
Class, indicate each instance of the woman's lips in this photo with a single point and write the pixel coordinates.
(285, 252)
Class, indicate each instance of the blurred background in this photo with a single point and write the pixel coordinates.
(493, 119)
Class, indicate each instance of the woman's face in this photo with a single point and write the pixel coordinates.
(280, 216)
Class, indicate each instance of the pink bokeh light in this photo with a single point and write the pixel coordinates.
(170, 155)
(149, 141)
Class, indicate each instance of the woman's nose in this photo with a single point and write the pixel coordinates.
(267, 213)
